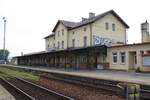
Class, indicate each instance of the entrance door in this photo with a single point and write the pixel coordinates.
(132, 60)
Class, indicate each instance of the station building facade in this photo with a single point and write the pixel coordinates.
(95, 42)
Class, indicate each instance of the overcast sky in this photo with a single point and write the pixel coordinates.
(28, 21)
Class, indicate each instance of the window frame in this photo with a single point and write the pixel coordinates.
(58, 32)
(73, 43)
(84, 29)
(58, 43)
(121, 57)
(54, 45)
(85, 41)
(62, 32)
(114, 56)
(113, 27)
(106, 26)
(73, 32)
(62, 43)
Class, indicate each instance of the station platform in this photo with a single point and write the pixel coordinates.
(4, 94)
(123, 76)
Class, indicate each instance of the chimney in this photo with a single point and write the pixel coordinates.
(83, 19)
(91, 15)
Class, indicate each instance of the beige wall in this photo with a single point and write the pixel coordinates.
(49, 42)
(61, 37)
(97, 28)
(78, 35)
(145, 37)
(129, 50)
(119, 35)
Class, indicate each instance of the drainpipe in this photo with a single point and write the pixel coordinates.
(90, 34)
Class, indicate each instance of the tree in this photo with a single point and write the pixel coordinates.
(2, 56)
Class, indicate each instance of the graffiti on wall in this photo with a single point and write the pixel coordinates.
(102, 41)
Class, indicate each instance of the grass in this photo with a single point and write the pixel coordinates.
(5, 72)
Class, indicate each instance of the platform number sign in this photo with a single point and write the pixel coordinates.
(102, 41)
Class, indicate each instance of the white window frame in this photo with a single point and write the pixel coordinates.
(121, 58)
(113, 57)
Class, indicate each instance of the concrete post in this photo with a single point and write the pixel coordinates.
(132, 92)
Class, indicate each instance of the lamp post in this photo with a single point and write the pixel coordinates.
(4, 53)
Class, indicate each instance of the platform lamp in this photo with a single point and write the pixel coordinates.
(4, 53)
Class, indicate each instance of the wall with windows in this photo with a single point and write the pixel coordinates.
(110, 27)
(61, 37)
(78, 35)
(107, 27)
(127, 56)
(49, 42)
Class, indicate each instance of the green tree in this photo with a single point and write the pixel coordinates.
(2, 56)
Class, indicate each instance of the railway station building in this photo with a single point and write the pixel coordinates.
(98, 41)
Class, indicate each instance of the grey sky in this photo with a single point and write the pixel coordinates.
(28, 21)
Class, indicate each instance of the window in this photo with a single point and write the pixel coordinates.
(135, 59)
(54, 45)
(85, 41)
(58, 33)
(113, 27)
(73, 42)
(106, 26)
(84, 29)
(122, 57)
(58, 45)
(62, 31)
(114, 58)
(73, 32)
(62, 44)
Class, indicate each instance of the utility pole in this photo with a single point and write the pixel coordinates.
(4, 53)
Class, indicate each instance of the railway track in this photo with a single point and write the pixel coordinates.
(33, 91)
(110, 86)
(145, 92)
(15, 91)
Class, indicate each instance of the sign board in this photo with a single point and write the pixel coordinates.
(146, 61)
(102, 41)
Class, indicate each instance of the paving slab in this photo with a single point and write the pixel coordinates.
(4, 94)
